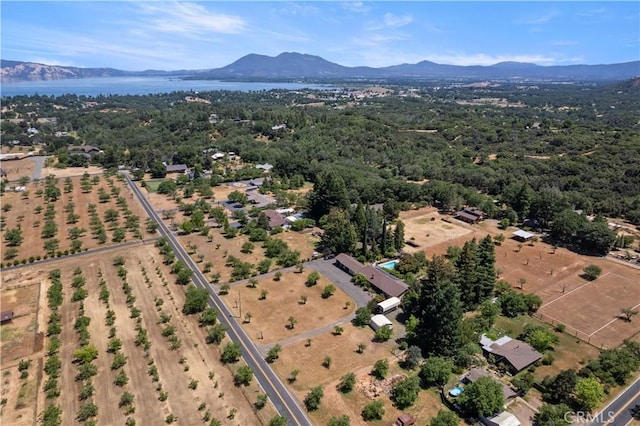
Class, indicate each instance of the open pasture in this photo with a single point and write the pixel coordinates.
(270, 316)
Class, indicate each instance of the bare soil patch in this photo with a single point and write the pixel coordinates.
(71, 171)
(426, 228)
(20, 339)
(270, 316)
(15, 169)
(589, 310)
(345, 359)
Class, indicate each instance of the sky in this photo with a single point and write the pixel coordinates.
(139, 35)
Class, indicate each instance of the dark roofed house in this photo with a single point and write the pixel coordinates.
(84, 150)
(517, 355)
(470, 215)
(276, 219)
(385, 283)
(177, 168)
(390, 286)
(6, 316)
(348, 264)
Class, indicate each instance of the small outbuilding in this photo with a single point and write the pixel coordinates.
(523, 236)
(405, 420)
(6, 316)
(503, 419)
(379, 321)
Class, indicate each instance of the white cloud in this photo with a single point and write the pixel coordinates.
(188, 19)
(563, 42)
(389, 20)
(355, 6)
(537, 20)
(487, 59)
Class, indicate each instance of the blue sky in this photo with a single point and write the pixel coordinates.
(138, 35)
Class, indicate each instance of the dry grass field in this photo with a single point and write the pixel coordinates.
(269, 320)
(15, 169)
(426, 228)
(21, 339)
(590, 310)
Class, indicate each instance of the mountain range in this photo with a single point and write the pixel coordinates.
(287, 66)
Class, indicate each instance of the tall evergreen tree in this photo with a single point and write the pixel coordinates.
(329, 191)
(440, 314)
(486, 271)
(398, 235)
(467, 277)
(339, 233)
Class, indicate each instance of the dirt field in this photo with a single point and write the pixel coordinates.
(342, 349)
(270, 316)
(16, 169)
(21, 339)
(589, 310)
(71, 171)
(193, 360)
(23, 214)
(425, 228)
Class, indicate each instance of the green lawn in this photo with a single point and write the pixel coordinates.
(152, 185)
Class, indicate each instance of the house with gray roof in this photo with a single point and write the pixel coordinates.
(515, 354)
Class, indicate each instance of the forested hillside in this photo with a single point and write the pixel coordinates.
(539, 149)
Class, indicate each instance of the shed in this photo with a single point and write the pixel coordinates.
(387, 305)
(521, 235)
(6, 316)
(379, 321)
(405, 420)
(503, 419)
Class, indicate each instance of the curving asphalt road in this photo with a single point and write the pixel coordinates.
(283, 401)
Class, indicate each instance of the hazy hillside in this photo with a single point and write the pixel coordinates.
(303, 66)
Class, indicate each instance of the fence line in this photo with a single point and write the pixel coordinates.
(572, 331)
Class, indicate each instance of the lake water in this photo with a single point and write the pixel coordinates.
(139, 86)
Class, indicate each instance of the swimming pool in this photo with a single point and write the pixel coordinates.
(455, 391)
(390, 264)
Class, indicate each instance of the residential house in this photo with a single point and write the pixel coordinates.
(515, 354)
(177, 168)
(470, 215)
(475, 373)
(276, 219)
(387, 284)
(85, 150)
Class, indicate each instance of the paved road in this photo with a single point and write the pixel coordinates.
(620, 411)
(83, 253)
(283, 401)
(37, 170)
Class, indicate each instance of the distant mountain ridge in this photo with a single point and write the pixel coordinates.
(291, 65)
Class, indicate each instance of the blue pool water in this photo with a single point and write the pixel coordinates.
(389, 265)
(455, 391)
